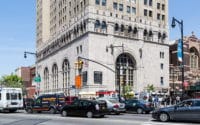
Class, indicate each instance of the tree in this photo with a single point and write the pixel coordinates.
(128, 93)
(150, 88)
(11, 81)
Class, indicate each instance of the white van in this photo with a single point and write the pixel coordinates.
(11, 99)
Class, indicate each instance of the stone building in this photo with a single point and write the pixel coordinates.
(121, 43)
(191, 66)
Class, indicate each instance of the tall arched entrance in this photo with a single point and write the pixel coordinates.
(125, 72)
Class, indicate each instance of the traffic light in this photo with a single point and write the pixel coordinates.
(80, 64)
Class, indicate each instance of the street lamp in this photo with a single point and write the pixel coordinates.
(174, 21)
(121, 68)
(37, 76)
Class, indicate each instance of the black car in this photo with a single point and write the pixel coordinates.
(139, 106)
(188, 110)
(88, 108)
(47, 102)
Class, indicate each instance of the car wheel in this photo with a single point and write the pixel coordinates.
(139, 110)
(89, 114)
(164, 117)
(29, 110)
(52, 111)
(64, 113)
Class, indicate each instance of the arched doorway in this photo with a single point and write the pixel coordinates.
(125, 71)
(66, 76)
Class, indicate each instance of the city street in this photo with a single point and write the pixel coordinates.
(22, 118)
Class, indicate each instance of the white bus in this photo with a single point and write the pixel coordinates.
(11, 99)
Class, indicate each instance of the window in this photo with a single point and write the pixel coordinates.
(163, 6)
(8, 96)
(161, 81)
(161, 55)
(145, 2)
(161, 66)
(121, 7)
(97, 24)
(115, 6)
(158, 6)
(0, 96)
(133, 10)
(77, 50)
(150, 2)
(163, 17)
(103, 26)
(97, 2)
(84, 75)
(158, 16)
(145, 12)
(20, 96)
(97, 77)
(150, 13)
(128, 9)
(13, 96)
(81, 48)
(103, 2)
(197, 103)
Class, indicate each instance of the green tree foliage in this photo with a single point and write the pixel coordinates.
(150, 88)
(11, 81)
(128, 93)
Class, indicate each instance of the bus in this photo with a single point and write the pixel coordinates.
(11, 99)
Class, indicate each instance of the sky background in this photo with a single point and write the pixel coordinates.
(18, 20)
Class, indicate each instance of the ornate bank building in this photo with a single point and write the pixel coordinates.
(86, 46)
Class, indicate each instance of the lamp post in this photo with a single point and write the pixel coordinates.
(121, 68)
(37, 76)
(174, 21)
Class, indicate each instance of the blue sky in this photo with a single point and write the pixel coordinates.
(17, 29)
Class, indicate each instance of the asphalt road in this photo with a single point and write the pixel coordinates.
(22, 118)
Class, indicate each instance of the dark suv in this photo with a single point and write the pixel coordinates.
(49, 102)
(139, 106)
(88, 108)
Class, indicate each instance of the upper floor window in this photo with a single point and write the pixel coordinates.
(145, 2)
(145, 12)
(103, 26)
(97, 2)
(128, 9)
(121, 7)
(98, 77)
(103, 2)
(158, 5)
(163, 6)
(133, 10)
(150, 13)
(115, 6)
(150, 2)
(161, 80)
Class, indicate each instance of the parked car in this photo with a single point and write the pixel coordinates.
(70, 99)
(88, 108)
(139, 106)
(188, 110)
(113, 105)
(28, 102)
(48, 102)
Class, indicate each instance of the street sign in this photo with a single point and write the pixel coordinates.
(37, 79)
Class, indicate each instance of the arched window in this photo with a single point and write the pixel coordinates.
(129, 29)
(194, 58)
(55, 77)
(97, 24)
(125, 66)
(135, 30)
(164, 36)
(104, 25)
(116, 27)
(145, 32)
(66, 75)
(122, 28)
(150, 33)
(46, 80)
(159, 35)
